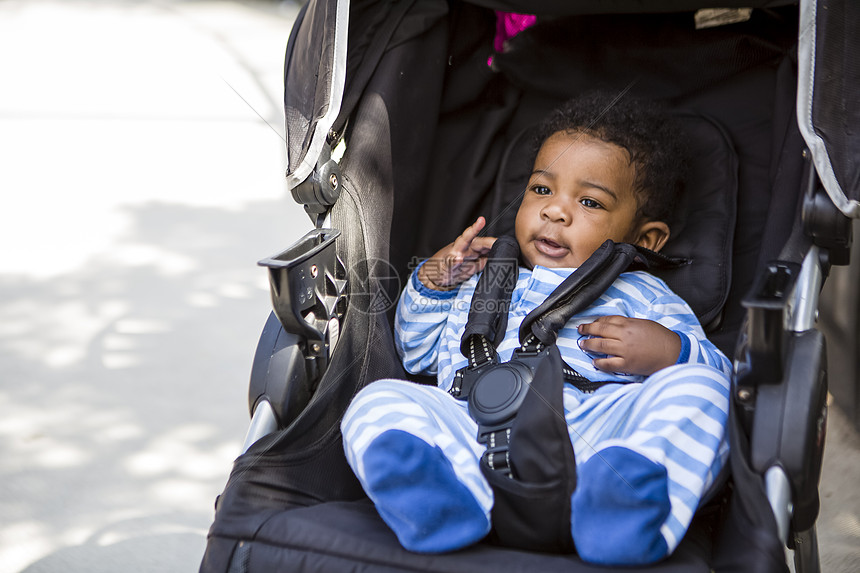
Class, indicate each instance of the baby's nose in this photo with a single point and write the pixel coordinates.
(556, 210)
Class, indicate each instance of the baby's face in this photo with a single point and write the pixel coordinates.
(580, 193)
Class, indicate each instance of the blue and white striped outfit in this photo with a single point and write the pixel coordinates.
(647, 448)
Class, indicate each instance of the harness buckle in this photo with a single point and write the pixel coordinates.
(465, 378)
(498, 447)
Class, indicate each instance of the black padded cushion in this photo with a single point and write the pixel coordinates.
(705, 236)
(703, 231)
(343, 537)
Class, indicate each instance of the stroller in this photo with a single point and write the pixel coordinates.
(396, 110)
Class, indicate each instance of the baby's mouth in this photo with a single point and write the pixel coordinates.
(549, 247)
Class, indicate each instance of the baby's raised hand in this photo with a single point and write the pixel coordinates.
(631, 345)
(457, 261)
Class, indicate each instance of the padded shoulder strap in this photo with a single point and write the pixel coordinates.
(488, 313)
(585, 285)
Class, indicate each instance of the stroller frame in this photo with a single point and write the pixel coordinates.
(780, 385)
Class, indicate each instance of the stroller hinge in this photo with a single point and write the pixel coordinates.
(829, 228)
(321, 189)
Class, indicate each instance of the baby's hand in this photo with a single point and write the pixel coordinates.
(631, 345)
(457, 261)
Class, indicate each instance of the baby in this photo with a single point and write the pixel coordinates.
(648, 443)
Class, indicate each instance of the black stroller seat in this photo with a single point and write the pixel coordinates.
(427, 124)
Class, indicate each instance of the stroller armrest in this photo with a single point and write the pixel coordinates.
(308, 296)
(781, 383)
(767, 307)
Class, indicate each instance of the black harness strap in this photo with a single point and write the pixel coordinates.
(529, 459)
(582, 288)
(488, 313)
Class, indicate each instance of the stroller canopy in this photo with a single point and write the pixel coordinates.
(315, 110)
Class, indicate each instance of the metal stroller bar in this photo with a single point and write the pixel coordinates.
(263, 422)
(801, 312)
(779, 495)
(804, 306)
(806, 558)
(800, 317)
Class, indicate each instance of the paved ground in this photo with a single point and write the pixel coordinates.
(139, 190)
(141, 177)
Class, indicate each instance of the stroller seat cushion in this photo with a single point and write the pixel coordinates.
(350, 536)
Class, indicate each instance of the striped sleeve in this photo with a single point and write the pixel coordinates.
(419, 325)
(671, 311)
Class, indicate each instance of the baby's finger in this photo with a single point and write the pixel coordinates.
(603, 326)
(477, 226)
(466, 237)
(610, 364)
(472, 230)
(599, 345)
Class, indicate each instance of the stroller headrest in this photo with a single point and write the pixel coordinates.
(704, 228)
(708, 209)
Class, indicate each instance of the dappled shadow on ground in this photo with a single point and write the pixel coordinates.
(124, 386)
(139, 550)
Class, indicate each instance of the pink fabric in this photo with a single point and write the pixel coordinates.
(509, 25)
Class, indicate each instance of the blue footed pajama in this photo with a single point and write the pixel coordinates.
(647, 448)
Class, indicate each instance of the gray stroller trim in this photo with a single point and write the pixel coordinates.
(332, 68)
(809, 54)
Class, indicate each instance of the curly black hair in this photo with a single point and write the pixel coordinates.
(651, 137)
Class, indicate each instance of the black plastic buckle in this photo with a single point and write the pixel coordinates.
(497, 455)
(308, 287)
(465, 378)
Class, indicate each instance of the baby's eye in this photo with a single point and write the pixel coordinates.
(541, 189)
(590, 203)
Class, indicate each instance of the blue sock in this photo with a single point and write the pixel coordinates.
(418, 495)
(620, 502)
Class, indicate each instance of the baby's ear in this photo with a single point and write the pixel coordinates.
(653, 235)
